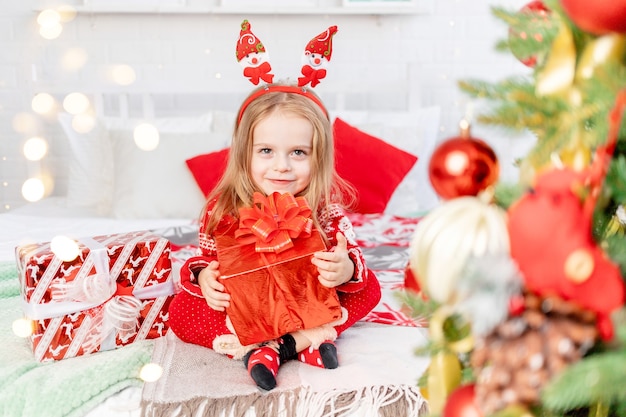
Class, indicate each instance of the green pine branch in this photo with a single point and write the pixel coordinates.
(615, 248)
(597, 379)
(616, 178)
(507, 194)
(571, 121)
(418, 306)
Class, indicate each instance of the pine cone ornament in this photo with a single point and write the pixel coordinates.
(523, 353)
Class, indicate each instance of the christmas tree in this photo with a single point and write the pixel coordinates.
(525, 285)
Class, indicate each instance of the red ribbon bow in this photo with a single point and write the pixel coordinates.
(273, 221)
(311, 75)
(259, 73)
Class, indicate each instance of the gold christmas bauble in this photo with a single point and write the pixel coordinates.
(447, 236)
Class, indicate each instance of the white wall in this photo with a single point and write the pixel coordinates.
(379, 62)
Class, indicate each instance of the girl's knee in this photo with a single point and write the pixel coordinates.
(193, 321)
(359, 304)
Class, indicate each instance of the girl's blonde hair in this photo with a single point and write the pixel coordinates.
(236, 187)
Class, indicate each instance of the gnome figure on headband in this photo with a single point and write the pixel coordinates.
(316, 57)
(252, 56)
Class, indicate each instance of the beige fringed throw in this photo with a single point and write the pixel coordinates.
(377, 375)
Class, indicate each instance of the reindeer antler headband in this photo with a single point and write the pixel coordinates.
(254, 59)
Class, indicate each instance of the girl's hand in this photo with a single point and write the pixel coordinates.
(336, 267)
(212, 289)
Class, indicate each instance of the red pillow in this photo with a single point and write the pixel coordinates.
(374, 167)
(208, 168)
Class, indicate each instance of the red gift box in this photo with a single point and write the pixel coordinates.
(115, 292)
(265, 265)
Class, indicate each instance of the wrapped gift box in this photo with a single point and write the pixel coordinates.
(116, 291)
(265, 264)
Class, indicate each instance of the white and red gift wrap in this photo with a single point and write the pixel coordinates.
(115, 292)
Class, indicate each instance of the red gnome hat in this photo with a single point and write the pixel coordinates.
(313, 68)
(247, 42)
(322, 43)
(255, 67)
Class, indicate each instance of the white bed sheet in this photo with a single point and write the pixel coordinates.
(41, 221)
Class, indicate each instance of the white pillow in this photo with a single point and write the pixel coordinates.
(414, 132)
(90, 170)
(102, 162)
(157, 183)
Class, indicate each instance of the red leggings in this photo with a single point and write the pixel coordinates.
(193, 321)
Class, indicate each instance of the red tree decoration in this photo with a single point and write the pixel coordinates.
(461, 403)
(539, 8)
(599, 16)
(463, 166)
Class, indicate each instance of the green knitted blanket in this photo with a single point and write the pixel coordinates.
(67, 388)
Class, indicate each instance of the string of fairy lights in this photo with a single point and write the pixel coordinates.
(51, 23)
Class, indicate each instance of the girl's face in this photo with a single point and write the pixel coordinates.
(281, 153)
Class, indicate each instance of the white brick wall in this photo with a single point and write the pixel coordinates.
(380, 62)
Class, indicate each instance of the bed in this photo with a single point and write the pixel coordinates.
(113, 187)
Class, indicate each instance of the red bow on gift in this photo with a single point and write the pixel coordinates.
(311, 75)
(273, 221)
(259, 73)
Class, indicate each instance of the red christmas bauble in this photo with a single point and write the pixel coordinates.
(599, 16)
(462, 166)
(462, 403)
(539, 8)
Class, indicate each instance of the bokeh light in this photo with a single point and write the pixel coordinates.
(76, 103)
(25, 123)
(146, 136)
(49, 24)
(42, 103)
(51, 32)
(48, 17)
(33, 189)
(123, 74)
(66, 12)
(22, 327)
(64, 248)
(35, 148)
(83, 122)
(74, 59)
(151, 372)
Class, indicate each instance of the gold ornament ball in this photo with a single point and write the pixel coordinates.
(448, 236)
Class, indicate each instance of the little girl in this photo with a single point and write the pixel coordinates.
(282, 143)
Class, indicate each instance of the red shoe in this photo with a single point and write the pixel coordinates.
(324, 357)
(262, 365)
